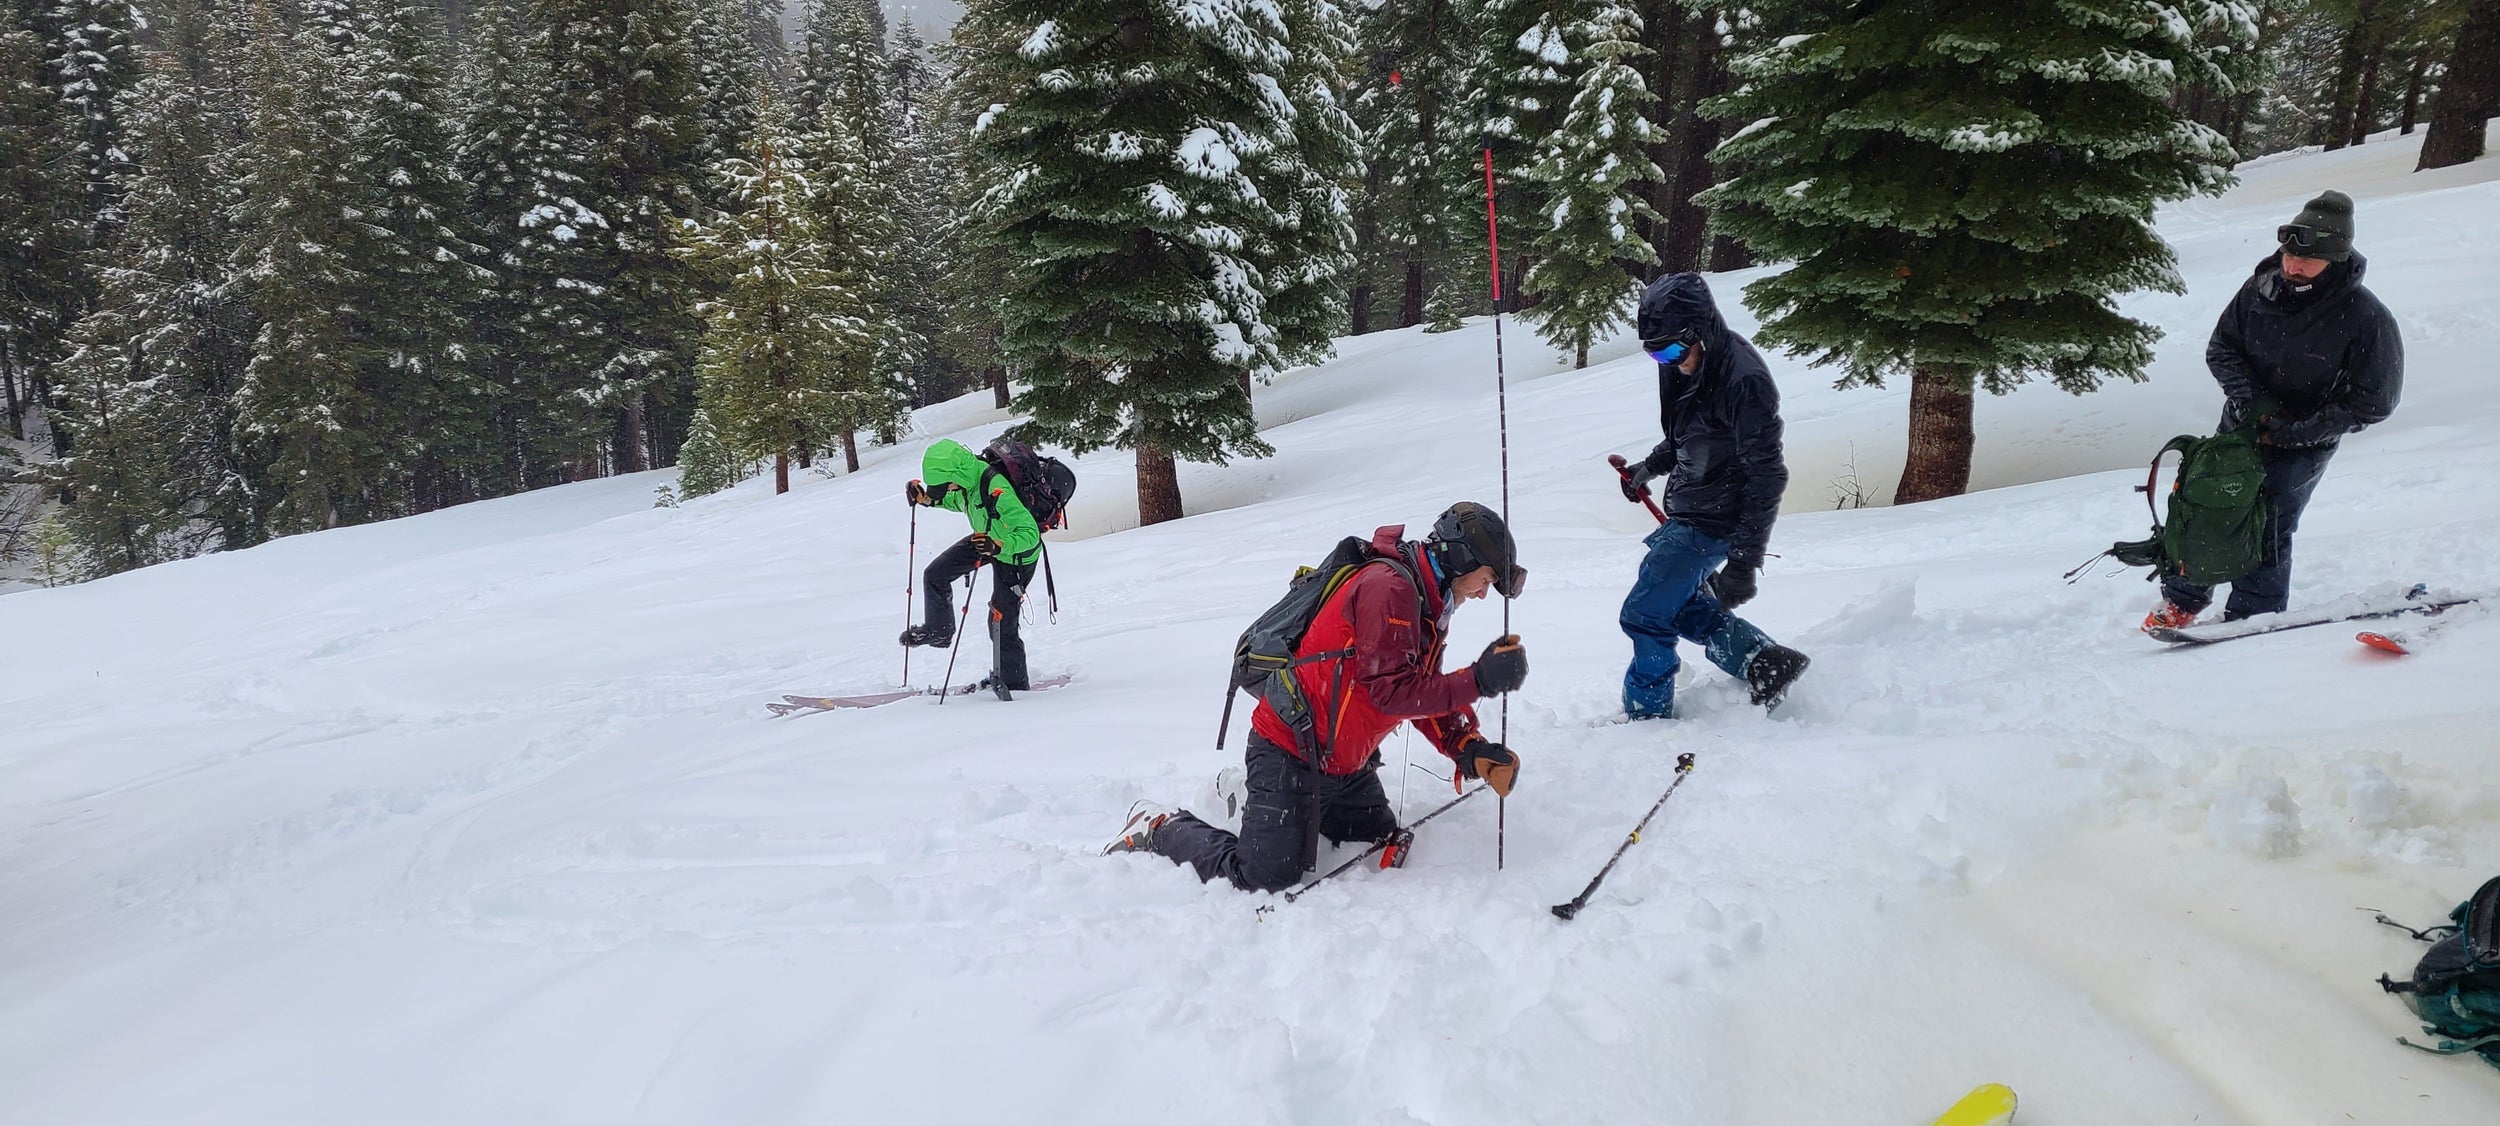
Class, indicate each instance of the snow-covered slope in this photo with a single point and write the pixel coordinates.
(477, 818)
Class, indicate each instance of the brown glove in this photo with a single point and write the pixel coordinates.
(985, 546)
(914, 493)
(1491, 761)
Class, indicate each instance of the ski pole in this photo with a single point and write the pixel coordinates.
(972, 582)
(911, 574)
(1406, 835)
(1683, 770)
(1501, 406)
(1624, 469)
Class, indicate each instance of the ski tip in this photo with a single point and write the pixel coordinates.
(2381, 642)
(1990, 1104)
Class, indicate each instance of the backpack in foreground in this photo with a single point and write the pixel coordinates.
(1044, 484)
(1264, 661)
(2456, 988)
(2215, 529)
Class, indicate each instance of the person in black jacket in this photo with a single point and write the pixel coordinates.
(1725, 473)
(2307, 355)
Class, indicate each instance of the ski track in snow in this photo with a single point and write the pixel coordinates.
(477, 816)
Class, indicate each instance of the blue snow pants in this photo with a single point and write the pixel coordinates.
(1668, 602)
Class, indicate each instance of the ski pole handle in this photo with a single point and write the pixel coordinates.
(1624, 469)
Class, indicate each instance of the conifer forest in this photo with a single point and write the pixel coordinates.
(275, 266)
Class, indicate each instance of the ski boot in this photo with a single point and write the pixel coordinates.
(2167, 616)
(1771, 672)
(931, 634)
(1139, 834)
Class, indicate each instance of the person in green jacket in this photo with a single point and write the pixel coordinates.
(1004, 535)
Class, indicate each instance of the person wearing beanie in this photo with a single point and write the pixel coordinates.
(2304, 355)
(1369, 656)
(1725, 472)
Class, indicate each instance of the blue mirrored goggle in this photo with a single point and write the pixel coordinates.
(1673, 351)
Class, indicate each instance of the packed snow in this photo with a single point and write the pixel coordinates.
(478, 817)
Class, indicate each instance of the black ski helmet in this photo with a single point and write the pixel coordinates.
(1469, 536)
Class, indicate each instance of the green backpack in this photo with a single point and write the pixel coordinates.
(2456, 988)
(2215, 529)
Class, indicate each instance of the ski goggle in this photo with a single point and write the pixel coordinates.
(2296, 234)
(1674, 349)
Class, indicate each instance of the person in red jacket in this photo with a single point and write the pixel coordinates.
(1297, 794)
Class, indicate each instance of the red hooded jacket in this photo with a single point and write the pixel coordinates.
(1395, 672)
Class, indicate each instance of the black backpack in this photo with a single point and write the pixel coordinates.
(1044, 484)
(1264, 660)
(2214, 526)
(2456, 987)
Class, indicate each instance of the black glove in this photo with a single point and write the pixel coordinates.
(913, 493)
(1736, 584)
(1503, 667)
(1636, 482)
(1491, 761)
(984, 546)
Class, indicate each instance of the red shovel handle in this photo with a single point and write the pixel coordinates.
(1624, 469)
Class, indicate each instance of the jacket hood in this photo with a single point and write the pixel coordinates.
(1677, 302)
(1390, 540)
(949, 462)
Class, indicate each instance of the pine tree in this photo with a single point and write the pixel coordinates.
(1528, 68)
(1592, 169)
(92, 59)
(859, 175)
(1128, 142)
(790, 326)
(1311, 259)
(150, 386)
(304, 407)
(623, 79)
(41, 235)
(923, 181)
(1421, 119)
(433, 402)
(729, 74)
(1963, 191)
(704, 464)
(978, 255)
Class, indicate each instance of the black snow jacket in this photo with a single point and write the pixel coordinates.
(1721, 457)
(2328, 360)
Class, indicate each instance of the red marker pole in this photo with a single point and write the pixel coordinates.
(1501, 401)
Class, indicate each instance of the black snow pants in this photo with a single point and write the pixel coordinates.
(2292, 476)
(1007, 583)
(1290, 806)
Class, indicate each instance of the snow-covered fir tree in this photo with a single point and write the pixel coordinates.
(305, 408)
(1127, 143)
(150, 384)
(435, 405)
(704, 464)
(1309, 261)
(729, 77)
(789, 323)
(852, 212)
(1421, 119)
(1525, 68)
(1963, 190)
(624, 82)
(41, 233)
(864, 188)
(925, 249)
(977, 256)
(1593, 168)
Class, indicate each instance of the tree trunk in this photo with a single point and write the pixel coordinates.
(781, 472)
(850, 449)
(629, 438)
(2468, 94)
(2365, 108)
(8, 389)
(2352, 56)
(997, 375)
(1158, 486)
(2413, 92)
(1940, 436)
(1411, 307)
(1360, 302)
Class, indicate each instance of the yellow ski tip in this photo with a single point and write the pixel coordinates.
(1990, 1105)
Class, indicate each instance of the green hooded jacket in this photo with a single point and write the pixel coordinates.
(953, 475)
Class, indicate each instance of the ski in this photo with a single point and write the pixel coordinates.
(2417, 601)
(1988, 1105)
(792, 705)
(2397, 644)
